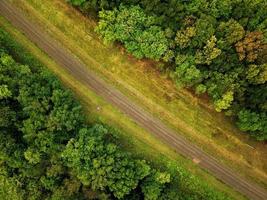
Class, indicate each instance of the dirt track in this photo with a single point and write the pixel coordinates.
(144, 119)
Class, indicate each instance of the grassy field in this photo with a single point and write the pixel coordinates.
(131, 137)
(190, 115)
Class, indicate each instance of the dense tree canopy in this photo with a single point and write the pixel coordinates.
(216, 46)
(100, 164)
(137, 31)
(48, 151)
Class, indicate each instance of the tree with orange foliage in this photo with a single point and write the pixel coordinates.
(251, 47)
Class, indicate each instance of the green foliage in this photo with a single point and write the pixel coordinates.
(153, 185)
(218, 45)
(183, 37)
(257, 74)
(47, 151)
(221, 8)
(200, 89)
(254, 122)
(9, 188)
(32, 157)
(76, 2)
(102, 165)
(28, 141)
(209, 52)
(225, 102)
(204, 30)
(230, 31)
(131, 26)
(4, 92)
(186, 72)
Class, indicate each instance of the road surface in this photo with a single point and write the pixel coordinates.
(116, 98)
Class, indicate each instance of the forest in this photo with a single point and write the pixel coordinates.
(49, 151)
(216, 47)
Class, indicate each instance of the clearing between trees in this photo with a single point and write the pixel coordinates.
(194, 117)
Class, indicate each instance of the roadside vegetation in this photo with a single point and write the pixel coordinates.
(49, 151)
(216, 47)
(140, 80)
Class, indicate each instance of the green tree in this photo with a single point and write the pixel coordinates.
(101, 165)
(183, 37)
(257, 74)
(4, 92)
(138, 31)
(209, 52)
(254, 122)
(186, 72)
(221, 8)
(230, 32)
(205, 29)
(225, 102)
(153, 185)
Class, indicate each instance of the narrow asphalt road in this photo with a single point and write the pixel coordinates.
(116, 98)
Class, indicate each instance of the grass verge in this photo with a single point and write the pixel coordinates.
(189, 115)
(131, 137)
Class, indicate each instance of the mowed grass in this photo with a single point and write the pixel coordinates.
(130, 136)
(192, 116)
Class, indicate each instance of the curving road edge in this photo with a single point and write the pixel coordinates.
(78, 70)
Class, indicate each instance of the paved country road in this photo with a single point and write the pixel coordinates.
(78, 70)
